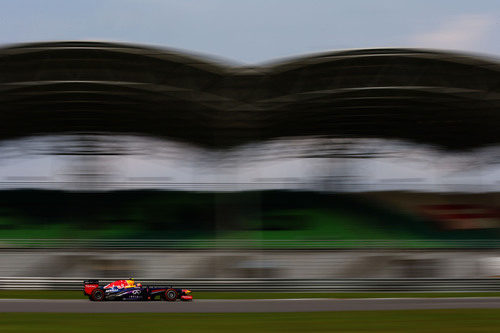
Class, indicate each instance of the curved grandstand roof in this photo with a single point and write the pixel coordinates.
(447, 99)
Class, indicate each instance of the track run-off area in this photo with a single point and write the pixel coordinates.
(244, 306)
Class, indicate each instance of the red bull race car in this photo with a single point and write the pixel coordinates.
(128, 290)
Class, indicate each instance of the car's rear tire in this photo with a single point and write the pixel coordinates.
(171, 295)
(97, 295)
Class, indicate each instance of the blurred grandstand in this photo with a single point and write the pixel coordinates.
(108, 147)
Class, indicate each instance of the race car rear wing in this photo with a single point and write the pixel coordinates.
(89, 285)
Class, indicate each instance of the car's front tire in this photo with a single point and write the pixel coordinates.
(171, 295)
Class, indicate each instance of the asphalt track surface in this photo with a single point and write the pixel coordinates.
(233, 306)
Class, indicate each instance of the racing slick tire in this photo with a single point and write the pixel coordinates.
(97, 295)
(171, 295)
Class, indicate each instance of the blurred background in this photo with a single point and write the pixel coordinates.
(122, 154)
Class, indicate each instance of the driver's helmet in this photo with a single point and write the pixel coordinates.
(139, 285)
(130, 282)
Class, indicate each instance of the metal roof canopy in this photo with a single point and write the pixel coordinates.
(447, 99)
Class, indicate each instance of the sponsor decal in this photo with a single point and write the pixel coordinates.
(120, 284)
(134, 297)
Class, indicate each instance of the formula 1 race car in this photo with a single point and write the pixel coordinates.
(128, 290)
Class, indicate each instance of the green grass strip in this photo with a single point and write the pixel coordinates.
(67, 294)
(442, 321)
